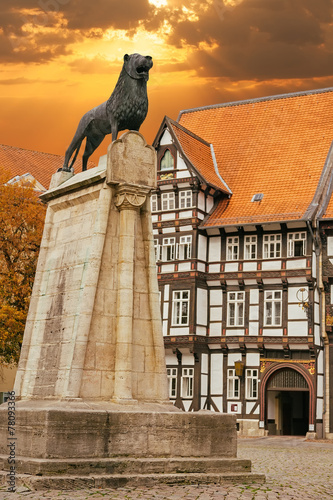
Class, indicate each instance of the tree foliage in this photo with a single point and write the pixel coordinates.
(21, 225)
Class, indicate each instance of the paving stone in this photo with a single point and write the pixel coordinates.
(295, 470)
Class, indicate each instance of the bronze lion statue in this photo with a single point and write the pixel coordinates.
(126, 108)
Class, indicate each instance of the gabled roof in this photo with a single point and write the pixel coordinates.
(276, 146)
(40, 165)
(197, 153)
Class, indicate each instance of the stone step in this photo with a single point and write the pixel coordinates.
(128, 465)
(66, 482)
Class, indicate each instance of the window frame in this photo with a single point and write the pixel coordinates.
(154, 203)
(233, 385)
(230, 248)
(273, 301)
(237, 301)
(172, 161)
(168, 243)
(251, 383)
(185, 195)
(190, 378)
(177, 316)
(291, 240)
(252, 243)
(275, 240)
(184, 247)
(169, 199)
(172, 375)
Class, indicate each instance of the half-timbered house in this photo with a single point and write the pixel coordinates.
(243, 190)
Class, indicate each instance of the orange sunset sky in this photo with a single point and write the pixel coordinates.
(60, 58)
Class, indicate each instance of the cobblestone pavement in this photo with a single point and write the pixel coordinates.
(294, 468)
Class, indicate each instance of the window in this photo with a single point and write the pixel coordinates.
(184, 247)
(250, 247)
(153, 202)
(172, 381)
(251, 377)
(168, 201)
(272, 246)
(273, 307)
(168, 249)
(232, 247)
(167, 161)
(296, 244)
(233, 385)
(187, 382)
(185, 199)
(157, 248)
(236, 308)
(180, 307)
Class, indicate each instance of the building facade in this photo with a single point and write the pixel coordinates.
(240, 218)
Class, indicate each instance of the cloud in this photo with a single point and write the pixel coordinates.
(258, 39)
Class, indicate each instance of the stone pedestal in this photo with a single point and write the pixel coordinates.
(92, 404)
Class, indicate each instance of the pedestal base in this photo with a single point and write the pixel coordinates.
(71, 445)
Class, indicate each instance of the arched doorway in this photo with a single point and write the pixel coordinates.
(287, 400)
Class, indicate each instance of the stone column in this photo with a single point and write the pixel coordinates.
(129, 199)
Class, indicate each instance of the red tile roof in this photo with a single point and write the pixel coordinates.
(276, 146)
(200, 154)
(40, 165)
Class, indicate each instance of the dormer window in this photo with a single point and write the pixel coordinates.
(167, 161)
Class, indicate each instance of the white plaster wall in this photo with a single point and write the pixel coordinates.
(187, 358)
(187, 404)
(170, 358)
(316, 334)
(271, 264)
(210, 203)
(292, 293)
(296, 312)
(214, 268)
(320, 386)
(216, 373)
(272, 332)
(249, 407)
(201, 330)
(253, 328)
(319, 413)
(314, 267)
(204, 363)
(231, 267)
(218, 402)
(167, 268)
(202, 247)
(330, 246)
(165, 327)
(186, 214)
(215, 329)
(165, 310)
(184, 266)
(201, 201)
(166, 292)
(296, 264)
(254, 296)
(215, 297)
(297, 328)
(202, 296)
(168, 216)
(254, 313)
(214, 249)
(204, 384)
(252, 359)
(181, 165)
(250, 266)
(201, 267)
(166, 138)
(235, 332)
(320, 362)
(216, 313)
(184, 330)
(232, 357)
(185, 228)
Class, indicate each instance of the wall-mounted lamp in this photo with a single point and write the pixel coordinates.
(239, 368)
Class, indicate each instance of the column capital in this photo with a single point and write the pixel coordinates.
(130, 197)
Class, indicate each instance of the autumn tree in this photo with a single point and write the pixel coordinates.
(21, 225)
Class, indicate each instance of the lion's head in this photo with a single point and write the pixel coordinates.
(137, 66)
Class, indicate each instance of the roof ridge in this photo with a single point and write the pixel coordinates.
(257, 99)
(30, 150)
(188, 132)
